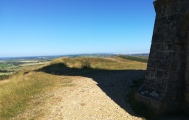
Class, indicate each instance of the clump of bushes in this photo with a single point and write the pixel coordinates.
(85, 64)
(3, 77)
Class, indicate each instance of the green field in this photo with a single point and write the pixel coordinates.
(11, 66)
(3, 65)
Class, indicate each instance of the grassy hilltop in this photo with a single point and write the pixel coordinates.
(23, 89)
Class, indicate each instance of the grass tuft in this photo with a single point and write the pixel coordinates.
(3, 77)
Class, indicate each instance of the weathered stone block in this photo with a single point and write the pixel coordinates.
(166, 85)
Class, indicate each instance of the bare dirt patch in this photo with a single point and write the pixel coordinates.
(99, 96)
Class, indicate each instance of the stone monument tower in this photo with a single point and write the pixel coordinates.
(166, 85)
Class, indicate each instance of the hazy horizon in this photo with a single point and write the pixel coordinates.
(72, 55)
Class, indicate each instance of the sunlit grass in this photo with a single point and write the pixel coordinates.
(21, 88)
(108, 63)
(17, 93)
(133, 58)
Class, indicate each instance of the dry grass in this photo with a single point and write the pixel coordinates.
(22, 87)
(17, 94)
(108, 63)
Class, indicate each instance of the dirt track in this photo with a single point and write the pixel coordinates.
(99, 96)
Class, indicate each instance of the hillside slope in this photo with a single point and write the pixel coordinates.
(72, 88)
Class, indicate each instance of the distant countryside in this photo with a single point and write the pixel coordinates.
(10, 66)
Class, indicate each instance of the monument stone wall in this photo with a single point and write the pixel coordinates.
(166, 86)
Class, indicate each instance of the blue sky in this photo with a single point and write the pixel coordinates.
(58, 27)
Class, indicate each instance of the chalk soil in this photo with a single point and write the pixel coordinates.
(100, 96)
